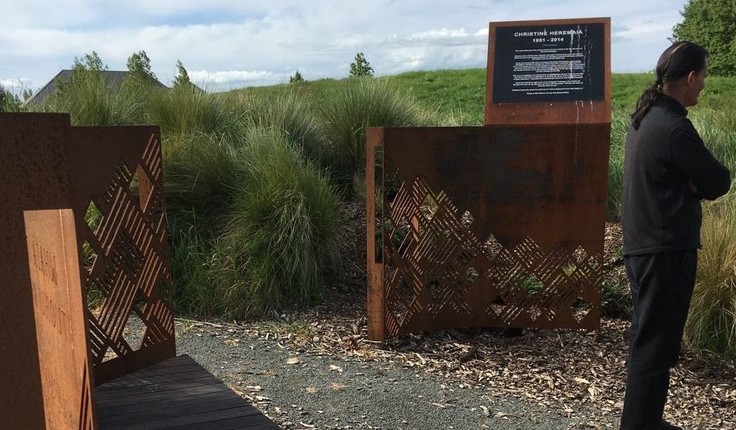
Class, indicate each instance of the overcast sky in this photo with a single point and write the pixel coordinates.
(227, 44)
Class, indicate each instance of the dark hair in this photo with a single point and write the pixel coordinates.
(677, 61)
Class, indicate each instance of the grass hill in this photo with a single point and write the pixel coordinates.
(461, 93)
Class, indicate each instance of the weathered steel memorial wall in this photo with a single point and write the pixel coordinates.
(500, 225)
(83, 217)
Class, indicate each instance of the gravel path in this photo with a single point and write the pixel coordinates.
(303, 390)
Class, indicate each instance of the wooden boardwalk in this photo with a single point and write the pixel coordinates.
(174, 394)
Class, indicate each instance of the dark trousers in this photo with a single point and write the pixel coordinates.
(661, 288)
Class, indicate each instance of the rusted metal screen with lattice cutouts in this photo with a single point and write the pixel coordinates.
(83, 222)
(485, 227)
(117, 179)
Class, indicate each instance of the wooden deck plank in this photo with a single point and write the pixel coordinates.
(179, 369)
(134, 398)
(187, 421)
(183, 396)
(252, 423)
(158, 379)
(186, 386)
(159, 408)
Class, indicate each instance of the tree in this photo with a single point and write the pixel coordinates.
(297, 78)
(9, 102)
(139, 66)
(711, 24)
(90, 62)
(182, 77)
(360, 68)
(86, 73)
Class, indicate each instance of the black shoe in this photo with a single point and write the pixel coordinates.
(668, 426)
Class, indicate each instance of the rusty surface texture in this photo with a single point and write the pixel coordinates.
(485, 227)
(85, 250)
(59, 315)
(117, 180)
(46, 373)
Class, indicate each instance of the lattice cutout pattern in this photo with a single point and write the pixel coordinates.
(126, 261)
(437, 270)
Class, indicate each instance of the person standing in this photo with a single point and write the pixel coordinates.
(667, 172)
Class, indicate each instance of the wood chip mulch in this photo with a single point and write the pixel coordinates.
(568, 371)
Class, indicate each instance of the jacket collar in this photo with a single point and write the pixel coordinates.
(671, 104)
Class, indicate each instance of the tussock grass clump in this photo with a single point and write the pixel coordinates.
(186, 111)
(284, 231)
(711, 325)
(288, 112)
(254, 229)
(193, 260)
(718, 130)
(619, 126)
(202, 174)
(89, 100)
(346, 113)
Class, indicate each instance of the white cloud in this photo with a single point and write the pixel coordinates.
(15, 85)
(443, 33)
(251, 42)
(230, 76)
(641, 29)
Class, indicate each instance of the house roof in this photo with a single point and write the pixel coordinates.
(114, 79)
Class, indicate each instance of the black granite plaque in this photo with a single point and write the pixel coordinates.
(555, 63)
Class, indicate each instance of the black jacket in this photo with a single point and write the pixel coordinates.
(660, 213)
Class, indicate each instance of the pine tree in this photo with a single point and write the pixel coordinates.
(360, 68)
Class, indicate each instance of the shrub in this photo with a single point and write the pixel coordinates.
(346, 113)
(616, 300)
(201, 175)
(89, 100)
(193, 259)
(296, 78)
(284, 231)
(619, 126)
(185, 111)
(9, 102)
(711, 325)
(718, 130)
(287, 112)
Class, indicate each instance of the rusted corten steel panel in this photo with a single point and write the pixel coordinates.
(485, 227)
(99, 192)
(40, 385)
(591, 52)
(60, 319)
(117, 177)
